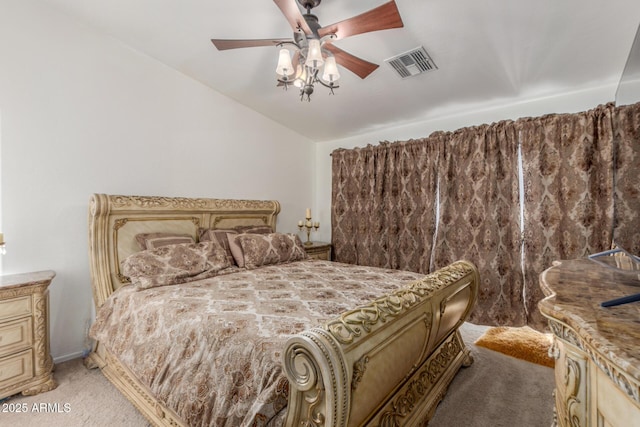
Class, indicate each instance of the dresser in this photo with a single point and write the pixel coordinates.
(318, 250)
(597, 349)
(25, 361)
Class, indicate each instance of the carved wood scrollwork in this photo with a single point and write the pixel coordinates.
(315, 418)
(119, 223)
(564, 332)
(572, 379)
(217, 220)
(359, 322)
(303, 370)
(359, 368)
(404, 404)
(18, 292)
(150, 202)
(41, 340)
(318, 380)
(554, 350)
(122, 278)
(554, 423)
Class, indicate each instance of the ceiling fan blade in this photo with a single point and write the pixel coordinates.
(381, 18)
(222, 44)
(291, 11)
(356, 65)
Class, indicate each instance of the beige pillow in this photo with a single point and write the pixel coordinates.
(218, 236)
(236, 250)
(222, 237)
(156, 240)
(173, 264)
(266, 249)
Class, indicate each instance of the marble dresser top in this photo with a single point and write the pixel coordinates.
(22, 279)
(574, 291)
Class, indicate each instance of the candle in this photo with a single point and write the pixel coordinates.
(300, 223)
(316, 224)
(308, 213)
(308, 224)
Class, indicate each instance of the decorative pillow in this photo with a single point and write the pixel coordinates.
(221, 236)
(218, 236)
(235, 249)
(173, 264)
(156, 240)
(273, 248)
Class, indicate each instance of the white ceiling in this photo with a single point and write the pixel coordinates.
(488, 52)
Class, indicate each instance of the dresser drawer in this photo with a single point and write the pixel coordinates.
(15, 307)
(16, 368)
(318, 250)
(324, 256)
(16, 335)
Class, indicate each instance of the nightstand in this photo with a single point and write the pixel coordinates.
(318, 250)
(25, 361)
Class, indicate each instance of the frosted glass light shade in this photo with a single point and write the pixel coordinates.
(314, 57)
(331, 73)
(285, 67)
(301, 76)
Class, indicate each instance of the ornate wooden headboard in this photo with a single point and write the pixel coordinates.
(114, 221)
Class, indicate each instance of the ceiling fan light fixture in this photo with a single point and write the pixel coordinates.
(331, 73)
(301, 76)
(313, 46)
(285, 67)
(314, 56)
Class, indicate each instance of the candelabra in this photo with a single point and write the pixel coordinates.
(308, 225)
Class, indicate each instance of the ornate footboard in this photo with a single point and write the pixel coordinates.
(388, 363)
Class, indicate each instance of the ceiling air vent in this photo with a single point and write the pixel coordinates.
(412, 63)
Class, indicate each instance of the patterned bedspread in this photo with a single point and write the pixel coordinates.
(211, 349)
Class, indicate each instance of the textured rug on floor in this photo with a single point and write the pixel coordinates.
(522, 343)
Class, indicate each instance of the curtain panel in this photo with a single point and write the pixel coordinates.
(626, 232)
(568, 192)
(383, 204)
(479, 216)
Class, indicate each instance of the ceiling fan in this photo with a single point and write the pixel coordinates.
(313, 47)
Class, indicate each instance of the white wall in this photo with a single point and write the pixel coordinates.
(562, 103)
(629, 88)
(82, 113)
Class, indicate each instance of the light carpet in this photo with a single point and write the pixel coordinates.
(495, 391)
(522, 343)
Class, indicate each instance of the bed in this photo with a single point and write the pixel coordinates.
(339, 345)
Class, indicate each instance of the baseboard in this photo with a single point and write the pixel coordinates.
(68, 357)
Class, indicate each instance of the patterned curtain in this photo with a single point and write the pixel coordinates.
(626, 233)
(480, 217)
(567, 162)
(383, 204)
(581, 192)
